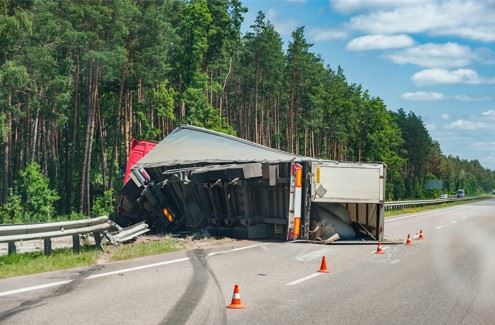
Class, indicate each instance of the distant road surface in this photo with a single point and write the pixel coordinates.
(448, 278)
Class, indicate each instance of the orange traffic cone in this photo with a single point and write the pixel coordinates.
(236, 299)
(421, 235)
(408, 240)
(379, 249)
(323, 267)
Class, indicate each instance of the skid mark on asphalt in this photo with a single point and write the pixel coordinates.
(194, 291)
(116, 272)
(65, 287)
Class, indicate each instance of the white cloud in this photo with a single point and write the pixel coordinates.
(490, 113)
(284, 27)
(467, 125)
(485, 145)
(467, 19)
(431, 127)
(445, 117)
(467, 98)
(354, 5)
(444, 76)
(423, 95)
(379, 42)
(430, 55)
(431, 95)
(327, 34)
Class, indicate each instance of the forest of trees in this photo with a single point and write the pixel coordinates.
(79, 79)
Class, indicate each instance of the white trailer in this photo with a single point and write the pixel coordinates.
(200, 179)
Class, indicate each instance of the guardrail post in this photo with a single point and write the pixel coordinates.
(76, 243)
(97, 236)
(11, 247)
(47, 246)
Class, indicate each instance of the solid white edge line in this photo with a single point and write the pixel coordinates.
(314, 275)
(38, 287)
(232, 250)
(421, 213)
(131, 269)
(137, 268)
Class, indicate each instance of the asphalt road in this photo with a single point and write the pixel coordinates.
(448, 278)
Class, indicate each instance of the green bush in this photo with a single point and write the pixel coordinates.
(12, 211)
(32, 199)
(103, 204)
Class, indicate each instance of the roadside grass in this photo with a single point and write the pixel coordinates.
(391, 213)
(64, 258)
(30, 263)
(154, 247)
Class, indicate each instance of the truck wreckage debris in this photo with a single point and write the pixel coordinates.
(196, 179)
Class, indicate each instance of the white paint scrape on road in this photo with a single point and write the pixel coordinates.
(306, 278)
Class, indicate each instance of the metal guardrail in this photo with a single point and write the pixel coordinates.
(398, 205)
(46, 231)
(129, 233)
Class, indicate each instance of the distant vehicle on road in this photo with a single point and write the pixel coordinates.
(493, 192)
(460, 193)
(444, 196)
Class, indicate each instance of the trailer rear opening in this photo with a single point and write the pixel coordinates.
(197, 179)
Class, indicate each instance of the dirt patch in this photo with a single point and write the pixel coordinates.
(105, 256)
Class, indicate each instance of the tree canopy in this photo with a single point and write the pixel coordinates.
(80, 79)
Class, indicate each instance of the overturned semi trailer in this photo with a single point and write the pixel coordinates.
(196, 179)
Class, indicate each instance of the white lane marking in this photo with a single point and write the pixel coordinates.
(454, 221)
(38, 287)
(421, 214)
(137, 268)
(395, 262)
(100, 275)
(232, 250)
(384, 248)
(306, 278)
(439, 227)
(464, 217)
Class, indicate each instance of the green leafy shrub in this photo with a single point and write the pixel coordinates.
(32, 199)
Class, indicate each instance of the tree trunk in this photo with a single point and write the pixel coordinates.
(117, 131)
(69, 186)
(85, 199)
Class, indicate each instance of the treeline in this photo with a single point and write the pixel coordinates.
(80, 79)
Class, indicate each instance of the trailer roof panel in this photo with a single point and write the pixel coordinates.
(189, 145)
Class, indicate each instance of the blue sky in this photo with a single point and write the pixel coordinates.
(436, 58)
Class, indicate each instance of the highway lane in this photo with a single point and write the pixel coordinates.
(447, 278)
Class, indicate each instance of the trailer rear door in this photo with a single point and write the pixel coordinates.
(348, 182)
(359, 187)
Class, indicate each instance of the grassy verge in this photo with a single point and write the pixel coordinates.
(391, 213)
(30, 263)
(145, 249)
